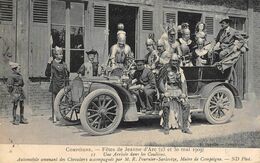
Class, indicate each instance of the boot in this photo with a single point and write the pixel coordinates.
(22, 119)
(15, 118)
(185, 118)
(166, 112)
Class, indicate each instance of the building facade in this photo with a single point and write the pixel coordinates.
(33, 27)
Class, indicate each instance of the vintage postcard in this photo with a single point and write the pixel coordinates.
(129, 81)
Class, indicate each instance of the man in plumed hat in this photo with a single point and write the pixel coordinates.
(143, 84)
(15, 85)
(89, 68)
(226, 38)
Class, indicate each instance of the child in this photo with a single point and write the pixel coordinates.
(15, 85)
(57, 69)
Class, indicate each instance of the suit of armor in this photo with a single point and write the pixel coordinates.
(119, 56)
(176, 109)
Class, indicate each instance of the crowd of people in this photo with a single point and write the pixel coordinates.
(157, 75)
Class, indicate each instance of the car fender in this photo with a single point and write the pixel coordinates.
(206, 90)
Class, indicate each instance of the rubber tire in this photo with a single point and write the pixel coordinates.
(57, 111)
(86, 103)
(217, 89)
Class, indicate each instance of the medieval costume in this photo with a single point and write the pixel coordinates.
(186, 46)
(58, 71)
(175, 106)
(89, 68)
(151, 58)
(120, 54)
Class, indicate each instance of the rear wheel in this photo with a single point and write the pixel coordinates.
(220, 105)
(65, 109)
(101, 112)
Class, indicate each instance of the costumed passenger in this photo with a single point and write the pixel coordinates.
(151, 58)
(89, 68)
(164, 56)
(58, 71)
(143, 85)
(176, 109)
(171, 44)
(200, 53)
(121, 55)
(186, 47)
(200, 31)
(15, 85)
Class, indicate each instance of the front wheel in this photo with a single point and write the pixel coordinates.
(65, 109)
(219, 106)
(101, 112)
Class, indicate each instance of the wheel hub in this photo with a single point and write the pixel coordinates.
(102, 111)
(220, 105)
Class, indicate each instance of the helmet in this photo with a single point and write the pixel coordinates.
(149, 42)
(121, 38)
(186, 31)
(175, 57)
(160, 42)
(120, 26)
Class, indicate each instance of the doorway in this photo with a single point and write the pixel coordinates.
(191, 18)
(126, 15)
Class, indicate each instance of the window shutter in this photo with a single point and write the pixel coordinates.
(40, 11)
(170, 16)
(147, 20)
(99, 16)
(209, 21)
(257, 6)
(6, 10)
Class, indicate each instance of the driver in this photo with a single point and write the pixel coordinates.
(143, 85)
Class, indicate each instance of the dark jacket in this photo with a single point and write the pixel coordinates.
(226, 38)
(59, 76)
(145, 77)
(15, 85)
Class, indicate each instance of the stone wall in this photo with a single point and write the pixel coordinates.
(39, 98)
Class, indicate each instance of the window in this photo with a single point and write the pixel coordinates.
(238, 23)
(147, 20)
(209, 21)
(40, 11)
(58, 25)
(72, 43)
(6, 10)
(99, 16)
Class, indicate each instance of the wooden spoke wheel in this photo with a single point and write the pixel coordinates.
(101, 112)
(66, 110)
(220, 105)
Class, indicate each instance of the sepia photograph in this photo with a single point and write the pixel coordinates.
(130, 76)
